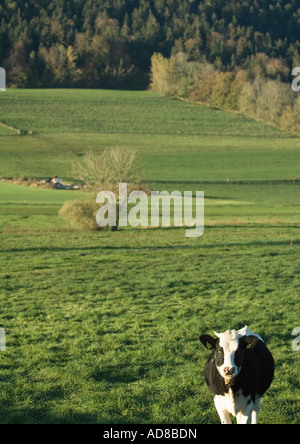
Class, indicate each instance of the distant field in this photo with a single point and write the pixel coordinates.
(103, 327)
(176, 140)
(94, 111)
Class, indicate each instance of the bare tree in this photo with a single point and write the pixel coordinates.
(105, 171)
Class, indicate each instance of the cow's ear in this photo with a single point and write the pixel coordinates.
(250, 342)
(208, 341)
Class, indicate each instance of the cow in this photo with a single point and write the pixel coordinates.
(238, 373)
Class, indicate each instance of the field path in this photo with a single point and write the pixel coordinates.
(11, 128)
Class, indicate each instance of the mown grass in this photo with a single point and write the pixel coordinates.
(175, 139)
(104, 327)
(90, 111)
(5, 131)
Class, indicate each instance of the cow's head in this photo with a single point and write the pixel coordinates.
(229, 348)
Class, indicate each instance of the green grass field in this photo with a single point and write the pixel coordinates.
(103, 327)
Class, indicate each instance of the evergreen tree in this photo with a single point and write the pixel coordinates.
(227, 33)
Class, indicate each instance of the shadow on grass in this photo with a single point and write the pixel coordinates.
(129, 372)
(35, 416)
(87, 251)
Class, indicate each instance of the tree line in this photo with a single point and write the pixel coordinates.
(257, 91)
(109, 43)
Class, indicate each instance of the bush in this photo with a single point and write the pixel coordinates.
(81, 214)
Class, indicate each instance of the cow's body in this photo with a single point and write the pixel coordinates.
(238, 373)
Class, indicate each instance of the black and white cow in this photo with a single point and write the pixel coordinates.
(238, 373)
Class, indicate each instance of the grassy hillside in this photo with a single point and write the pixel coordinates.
(95, 111)
(176, 140)
(104, 327)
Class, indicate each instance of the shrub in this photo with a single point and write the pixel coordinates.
(80, 214)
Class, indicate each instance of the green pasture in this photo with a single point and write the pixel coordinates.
(103, 327)
(176, 140)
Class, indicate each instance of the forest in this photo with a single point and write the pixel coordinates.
(110, 43)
